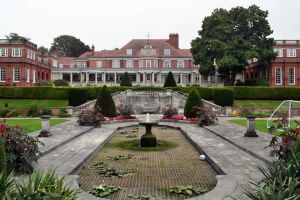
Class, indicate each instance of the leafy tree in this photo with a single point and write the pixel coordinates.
(66, 45)
(193, 100)
(229, 39)
(43, 50)
(126, 80)
(16, 36)
(106, 103)
(170, 81)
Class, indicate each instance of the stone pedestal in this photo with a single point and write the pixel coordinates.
(251, 127)
(45, 120)
(148, 139)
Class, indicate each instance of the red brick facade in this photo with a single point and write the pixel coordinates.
(21, 64)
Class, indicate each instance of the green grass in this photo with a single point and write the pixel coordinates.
(26, 103)
(256, 103)
(31, 125)
(260, 125)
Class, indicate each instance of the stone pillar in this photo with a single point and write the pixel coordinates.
(251, 127)
(137, 77)
(81, 77)
(159, 77)
(192, 77)
(103, 77)
(144, 77)
(153, 74)
(86, 77)
(71, 77)
(96, 76)
(61, 75)
(115, 78)
(181, 78)
(45, 120)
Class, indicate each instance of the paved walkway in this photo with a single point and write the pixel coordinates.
(235, 134)
(239, 166)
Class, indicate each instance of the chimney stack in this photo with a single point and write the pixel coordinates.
(93, 50)
(174, 40)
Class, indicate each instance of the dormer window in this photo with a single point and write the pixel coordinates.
(167, 52)
(129, 52)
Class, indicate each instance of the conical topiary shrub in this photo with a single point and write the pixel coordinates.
(193, 100)
(126, 80)
(106, 103)
(3, 161)
(170, 81)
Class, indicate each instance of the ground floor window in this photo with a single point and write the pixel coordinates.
(2, 74)
(291, 77)
(278, 76)
(16, 74)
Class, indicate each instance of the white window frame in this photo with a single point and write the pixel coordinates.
(3, 52)
(28, 75)
(279, 52)
(116, 64)
(15, 54)
(129, 52)
(148, 63)
(129, 63)
(167, 52)
(83, 65)
(291, 77)
(141, 63)
(16, 74)
(291, 53)
(180, 64)
(155, 63)
(2, 74)
(99, 64)
(167, 62)
(278, 70)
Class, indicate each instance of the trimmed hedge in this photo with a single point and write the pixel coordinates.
(106, 103)
(33, 93)
(77, 96)
(193, 100)
(223, 97)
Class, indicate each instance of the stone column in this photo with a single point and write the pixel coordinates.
(71, 77)
(181, 78)
(96, 76)
(144, 77)
(81, 77)
(115, 78)
(153, 74)
(86, 77)
(137, 77)
(192, 77)
(103, 77)
(61, 75)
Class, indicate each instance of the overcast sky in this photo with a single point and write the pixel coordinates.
(112, 23)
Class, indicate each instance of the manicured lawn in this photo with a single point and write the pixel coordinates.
(25, 103)
(260, 125)
(31, 125)
(256, 103)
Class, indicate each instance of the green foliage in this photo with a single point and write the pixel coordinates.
(46, 111)
(61, 83)
(145, 197)
(3, 161)
(63, 113)
(16, 36)
(44, 186)
(77, 96)
(106, 103)
(170, 81)
(134, 145)
(230, 38)
(103, 190)
(6, 183)
(223, 97)
(187, 190)
(281, 180)
(44, 83)
(33, 93)
(105, 170)
(193, 100)
(125, 81)
(67, 45)
(34, 111)
(297, 150)
(4, 112)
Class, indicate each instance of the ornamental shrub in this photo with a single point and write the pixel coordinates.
(44, 83)
(193, 100)
(34, 111)
(170, 81)
(106, 103)
(3, 162)
(125, 110)
(77, 96)
(125, 81)
(169, 111)
(223, 97)
(61, 83)
(88, 117)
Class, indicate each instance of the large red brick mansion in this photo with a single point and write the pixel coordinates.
(147, 61)
(21, 64)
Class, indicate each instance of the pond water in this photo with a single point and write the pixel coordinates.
(121, 162)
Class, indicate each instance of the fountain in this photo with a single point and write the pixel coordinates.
(148, 139)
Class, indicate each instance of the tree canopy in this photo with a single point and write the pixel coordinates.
(67, 45)
(16, 36)
(228, 39)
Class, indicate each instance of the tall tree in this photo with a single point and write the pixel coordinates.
(16, 36)
(228, 39)
(43, 50)
(170, 81)
(66, 45)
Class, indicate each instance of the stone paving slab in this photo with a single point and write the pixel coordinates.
(67, 157)
(239, 166)
(235, 134)
(61, 134)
